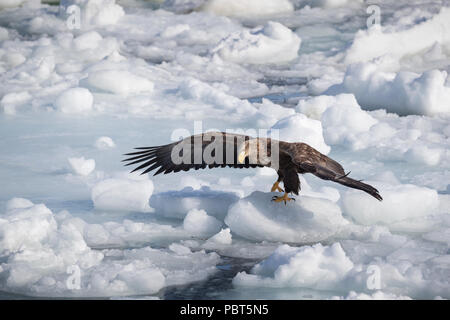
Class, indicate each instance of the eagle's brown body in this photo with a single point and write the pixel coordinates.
(238, 150)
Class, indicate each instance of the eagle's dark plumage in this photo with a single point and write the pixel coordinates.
(293, 158)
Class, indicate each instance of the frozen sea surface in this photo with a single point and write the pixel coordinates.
(81, 88)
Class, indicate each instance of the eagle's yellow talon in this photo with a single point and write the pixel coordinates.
(275, 187)
(284, 198)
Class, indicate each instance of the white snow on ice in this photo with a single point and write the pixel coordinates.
(75, 98)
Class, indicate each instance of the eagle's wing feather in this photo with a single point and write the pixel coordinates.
(160, 157)
(310, 160)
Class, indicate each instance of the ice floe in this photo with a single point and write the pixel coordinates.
(306, 220)
(272, 43)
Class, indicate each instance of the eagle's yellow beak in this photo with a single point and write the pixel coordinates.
(241, 157)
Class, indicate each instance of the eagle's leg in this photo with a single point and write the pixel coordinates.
(284, 198)
(276, 187)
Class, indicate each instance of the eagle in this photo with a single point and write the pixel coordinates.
(223, 149)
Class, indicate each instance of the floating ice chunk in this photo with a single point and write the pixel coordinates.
(39, 250)
(179, 249)
(122, 194)
(316, 267)
(130, 233)
(104, 143)
(14, 59)
(270, 112)
(12, 100)
(400, 202)
(45, 69)
(375, 42)
(10, 3)
(272, 43)
(248, 8)
(135, 277)
(421, 154)
(4, 34)
(403, 93)
(223, 237)
(300, 128)
(387, 177)
(314, 107)
(89, 46)
(88, 40)
(326, 3)
(118, 82)
(440, 235)
(178, 268)
(18, 203)
(197, 90)
(82, 166)
(44, 251)
(96, 235)
(308, 219)
(175, 204)
(96, 12)
(173, 31)
(74, 101)
(24, 225)
(377, 295)
(198, 223)
(343, 124)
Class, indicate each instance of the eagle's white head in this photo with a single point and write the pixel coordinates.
(258, 151)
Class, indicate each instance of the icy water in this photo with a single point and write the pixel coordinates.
(366, 86)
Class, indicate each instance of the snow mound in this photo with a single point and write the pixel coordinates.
(122, 194)
(175, 204)
(198, 223)
(74, 101)
(403, 93)
(271, 43)
(316, 267)
(118, 82)
(96, 12)
(400, 202)
(104, 143)
(82, 166)
(300, 128)
(248, 8)
(306, 220)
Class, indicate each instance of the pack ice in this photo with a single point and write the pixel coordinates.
(80, 91)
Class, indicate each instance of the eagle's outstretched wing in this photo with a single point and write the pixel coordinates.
(211, 149)
(312, 161)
